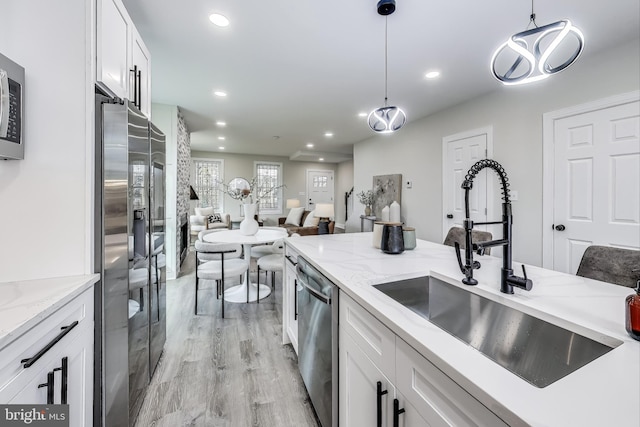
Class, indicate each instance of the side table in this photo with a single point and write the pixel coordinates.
(371, 218)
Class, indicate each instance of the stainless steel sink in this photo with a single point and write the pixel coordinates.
(535, 350)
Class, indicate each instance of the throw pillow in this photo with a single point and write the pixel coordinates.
(215, 218)
(295, 215)
(204, 211)
(311, 220)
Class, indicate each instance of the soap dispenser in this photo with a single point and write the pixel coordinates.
(633, 313)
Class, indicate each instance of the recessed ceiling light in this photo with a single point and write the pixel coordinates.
(328, 134)
(220, 148)
(432, 74)
(363, 114)
(221, 124)
(219, 20)
(221, 138)
(321, 159)
(220, 93)
(309, 145)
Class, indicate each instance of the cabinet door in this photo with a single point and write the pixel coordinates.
(358, 387)
(112, 38)
(409, 416)
(140, 61)
(77, 390)
(435, 396)
(291, 306)
(79, 356)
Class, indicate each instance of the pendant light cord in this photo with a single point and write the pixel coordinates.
(386, 38)
(532, 17)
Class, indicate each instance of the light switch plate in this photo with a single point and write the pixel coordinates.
(514, 195)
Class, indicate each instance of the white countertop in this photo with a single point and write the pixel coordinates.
(605, 392)
(24, 304)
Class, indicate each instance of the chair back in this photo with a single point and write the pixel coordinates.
(205, 232)
(611, 265)
(205, 250)
(457, 234)
(278, 246)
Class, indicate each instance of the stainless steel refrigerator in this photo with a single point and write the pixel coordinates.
(129, 255)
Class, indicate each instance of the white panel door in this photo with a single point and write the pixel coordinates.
(461, 151)
(319, 188)
(597, 182)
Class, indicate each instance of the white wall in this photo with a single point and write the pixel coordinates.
(166, 118)
(45, 199)
(516, 116)
(294, 177)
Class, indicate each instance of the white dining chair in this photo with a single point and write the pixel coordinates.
(217, 261)
(271, 263)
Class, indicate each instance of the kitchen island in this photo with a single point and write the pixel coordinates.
(606, 391)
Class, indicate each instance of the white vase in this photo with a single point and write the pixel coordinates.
(394, 212)
(249, 226)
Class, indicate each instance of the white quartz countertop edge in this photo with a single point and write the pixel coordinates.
(604, 392)
(24, 304)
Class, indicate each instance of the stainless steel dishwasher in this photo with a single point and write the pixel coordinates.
(318, 340)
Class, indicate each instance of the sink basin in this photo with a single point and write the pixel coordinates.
(535, 350)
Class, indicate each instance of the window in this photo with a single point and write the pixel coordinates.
(206, 173)
(269, 175)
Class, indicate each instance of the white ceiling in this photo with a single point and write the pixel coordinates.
(296, 69)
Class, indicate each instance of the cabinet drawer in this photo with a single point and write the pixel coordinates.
(436, 397)
(79, 309)
(376, 340)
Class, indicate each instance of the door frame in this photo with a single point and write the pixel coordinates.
(306, 186)
(548, 161)
(486, 130)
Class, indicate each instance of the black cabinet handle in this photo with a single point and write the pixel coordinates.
(288, 257)
(396, 412)
(295, 299)
(65, 375)
(379, 393)
(65, 330)
(139, 89)
(49, 386)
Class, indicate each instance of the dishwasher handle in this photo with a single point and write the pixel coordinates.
(325, 299)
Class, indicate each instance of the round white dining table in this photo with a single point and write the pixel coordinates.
(239, 293)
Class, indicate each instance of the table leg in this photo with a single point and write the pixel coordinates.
(238, 293)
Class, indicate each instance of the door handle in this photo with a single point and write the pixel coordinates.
(379, 394)
(396, 412)
(49, 386)
(450, 216)
(64, 368)
(559, 227)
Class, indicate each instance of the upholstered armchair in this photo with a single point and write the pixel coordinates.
(200, 221)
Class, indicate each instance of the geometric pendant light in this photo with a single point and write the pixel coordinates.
(386, 119)
(536, 54)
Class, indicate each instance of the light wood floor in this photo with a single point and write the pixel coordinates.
(225, 372)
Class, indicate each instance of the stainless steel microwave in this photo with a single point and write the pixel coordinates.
(11, 109)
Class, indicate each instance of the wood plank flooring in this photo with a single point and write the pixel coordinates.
(230, 372)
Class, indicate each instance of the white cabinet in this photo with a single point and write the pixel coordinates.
(123, 62)
(364, 391)
(140, 83)
(290, 300)
(113, 46)
(418, 393)
(62, 355)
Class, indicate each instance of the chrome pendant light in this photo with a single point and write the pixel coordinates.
(526, 56)
(389, 118)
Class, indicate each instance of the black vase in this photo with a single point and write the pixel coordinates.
(392, 239)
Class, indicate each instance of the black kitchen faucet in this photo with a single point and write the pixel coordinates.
(507, 279)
